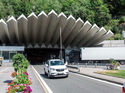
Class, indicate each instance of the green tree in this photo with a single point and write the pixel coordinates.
(122, 19)
(102, 15)
(78, 8)
(118, 36)
(111, 24)
(5, 10)
(116, 7)
(20, 62)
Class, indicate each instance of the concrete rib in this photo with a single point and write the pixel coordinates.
(62, 23)
(53, 17)
(36, 46)
(81, 33)
(104, 37)
(45, 30)
(101, 32)
(49, 46)
(22, 29)
(74, 31)
(4, 32)
(42, 26)
(89, 35)
(70, 23)
(43, 45)
(13, 30)
(32, 27)
(30, 46)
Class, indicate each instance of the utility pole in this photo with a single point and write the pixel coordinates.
(61, 44)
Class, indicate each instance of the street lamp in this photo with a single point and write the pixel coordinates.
(123, 34)
(61, 57)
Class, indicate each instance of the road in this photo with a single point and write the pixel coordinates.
(76, 83)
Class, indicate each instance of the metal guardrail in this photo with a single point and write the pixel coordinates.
(74, 67)
(93, 65)
(98, 64)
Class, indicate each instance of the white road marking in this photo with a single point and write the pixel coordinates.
(3, 70)
(99, 80)
(42, 82)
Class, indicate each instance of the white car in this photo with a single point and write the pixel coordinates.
(55, 68)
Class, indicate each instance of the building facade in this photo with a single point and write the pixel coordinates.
(44, 32)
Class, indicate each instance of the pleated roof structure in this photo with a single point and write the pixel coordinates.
(43, 31)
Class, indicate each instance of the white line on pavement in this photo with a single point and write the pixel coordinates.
(99, 80)
(3, 70)
(42, 82)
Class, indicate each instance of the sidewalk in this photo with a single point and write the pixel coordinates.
(91, 73)
(5, 78)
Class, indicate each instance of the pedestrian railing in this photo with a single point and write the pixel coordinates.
(90, 65)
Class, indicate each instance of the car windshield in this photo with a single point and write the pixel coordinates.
(54, 63)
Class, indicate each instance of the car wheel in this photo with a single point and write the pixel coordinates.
(67, 76)
(49, 75)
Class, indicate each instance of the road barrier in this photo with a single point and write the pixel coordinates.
(73, 68)
(91, 65)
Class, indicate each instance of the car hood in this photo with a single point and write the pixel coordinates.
(58, 67)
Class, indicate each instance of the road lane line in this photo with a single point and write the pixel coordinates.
(98, 80)
(3, 70)
(42, 82)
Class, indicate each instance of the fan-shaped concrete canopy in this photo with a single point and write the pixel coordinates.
(43, 31)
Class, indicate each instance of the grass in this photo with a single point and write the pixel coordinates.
(115, 73)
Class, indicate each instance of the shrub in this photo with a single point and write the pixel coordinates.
(14, 74)
(22, 81)
(20, 84)
(122, 19)
(114, 64)
(20, 62)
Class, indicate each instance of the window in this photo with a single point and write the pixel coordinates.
(12, 54)
(54, 63)
(0, 53)
(5, 54)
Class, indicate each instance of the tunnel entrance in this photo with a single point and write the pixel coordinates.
(41, 55)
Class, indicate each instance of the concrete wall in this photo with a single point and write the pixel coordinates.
(103, 53)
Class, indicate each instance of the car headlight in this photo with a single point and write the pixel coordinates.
(52, 69)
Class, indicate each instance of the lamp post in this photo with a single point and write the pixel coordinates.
(60, 44)
(123, 34)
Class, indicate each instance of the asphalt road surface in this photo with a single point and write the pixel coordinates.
(76, 83)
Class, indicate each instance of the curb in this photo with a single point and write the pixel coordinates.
(98, 77)
(42, 82)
